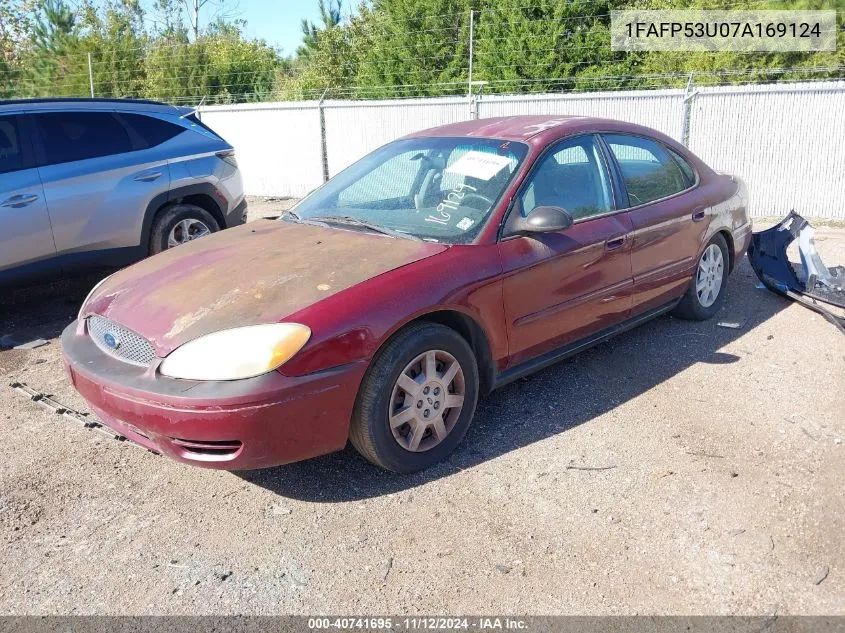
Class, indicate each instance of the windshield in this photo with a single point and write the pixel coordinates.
(432, 188)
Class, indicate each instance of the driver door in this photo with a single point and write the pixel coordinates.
(560, 287)
(27, 237)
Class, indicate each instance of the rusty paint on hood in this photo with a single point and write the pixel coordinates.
(256, 273)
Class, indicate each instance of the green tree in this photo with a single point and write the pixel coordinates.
(330, 17)
(53, 65)
(220, 65)
(326, 60)
(114, 36)
(414, 47)
(15, 29)
(552, 45)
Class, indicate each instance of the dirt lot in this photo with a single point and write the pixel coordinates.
(722, 492)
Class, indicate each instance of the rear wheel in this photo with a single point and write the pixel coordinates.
(417, 400)
(706, 292)
(180, 224)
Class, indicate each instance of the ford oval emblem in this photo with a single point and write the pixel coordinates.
(111, 340)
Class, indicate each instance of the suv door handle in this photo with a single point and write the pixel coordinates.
(148, 176)
(698, 215)
(615, 243)
(20, 200)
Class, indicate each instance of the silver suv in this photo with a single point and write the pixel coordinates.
(89, 183)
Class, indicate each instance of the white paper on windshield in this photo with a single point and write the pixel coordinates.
(479, 165)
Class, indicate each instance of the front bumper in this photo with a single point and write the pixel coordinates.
(232, 425)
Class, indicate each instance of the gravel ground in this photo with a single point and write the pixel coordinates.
(721, 489)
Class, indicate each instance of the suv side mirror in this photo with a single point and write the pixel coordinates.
(544, 219)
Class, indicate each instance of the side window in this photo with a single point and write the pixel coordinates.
(689, 172)
(69, 136)
(573, 177)
(151, 130)
(11, 151)
(648, 171)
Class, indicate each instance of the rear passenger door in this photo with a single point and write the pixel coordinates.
(99, 175)
(25, 235)
(665, 215)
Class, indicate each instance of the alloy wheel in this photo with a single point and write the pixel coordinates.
(185, 231)
(427, 400)
(708, 279)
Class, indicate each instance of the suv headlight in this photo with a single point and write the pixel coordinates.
(238, 353)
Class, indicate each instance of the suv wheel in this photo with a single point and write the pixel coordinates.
(179, 224)
(417, 400)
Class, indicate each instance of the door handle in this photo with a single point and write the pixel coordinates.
(20, 200)
(148, 177)
(615, 243)
(698, 215)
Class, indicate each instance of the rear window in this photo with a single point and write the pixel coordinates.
(11, 152)
(70, 136)
(689, 172)
(151, 130)
(193, 118)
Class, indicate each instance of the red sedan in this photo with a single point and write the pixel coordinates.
(439, 267)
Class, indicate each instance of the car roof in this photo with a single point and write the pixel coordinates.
(88, 104)
(537, 129)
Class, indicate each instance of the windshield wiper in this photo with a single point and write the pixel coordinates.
(348, 219)
(292, 216)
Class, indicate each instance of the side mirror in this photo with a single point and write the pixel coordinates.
(544, 219)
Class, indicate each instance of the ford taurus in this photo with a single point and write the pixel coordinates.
(438, 267)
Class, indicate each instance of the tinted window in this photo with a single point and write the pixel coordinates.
(11, 152)
(689, 172)
(648, 171)
(69, 136)
(151, 130)
(193, 118)
(573, 177)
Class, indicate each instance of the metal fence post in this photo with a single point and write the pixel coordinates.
(473, 113)
(324, 152)
(90, 75)
(688, 97)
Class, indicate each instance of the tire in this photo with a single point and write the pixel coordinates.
(381, 394)
(696, 303)
(168, 220)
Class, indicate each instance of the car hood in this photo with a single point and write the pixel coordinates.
(256, 273)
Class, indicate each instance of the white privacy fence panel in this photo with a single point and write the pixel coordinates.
(658, 109)
(355, 128)
(786, 141)
(277, 145)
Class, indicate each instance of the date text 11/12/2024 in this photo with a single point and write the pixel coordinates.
(418, 623)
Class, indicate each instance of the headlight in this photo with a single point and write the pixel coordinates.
(238, 353)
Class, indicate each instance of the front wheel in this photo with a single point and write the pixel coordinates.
(706, 292)
(417, 400)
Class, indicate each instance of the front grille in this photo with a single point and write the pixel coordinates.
(126, 345)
